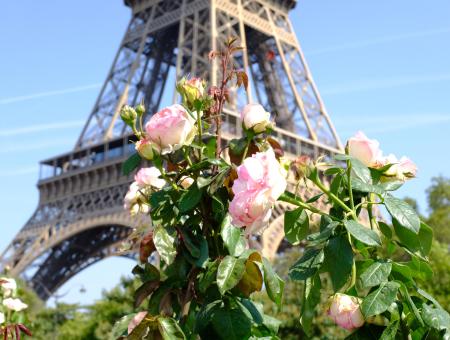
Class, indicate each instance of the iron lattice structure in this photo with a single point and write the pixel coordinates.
(79, 219)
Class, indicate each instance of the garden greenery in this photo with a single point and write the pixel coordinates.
(208, 200)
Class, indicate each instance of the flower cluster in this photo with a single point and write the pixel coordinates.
(10, 307)
(368, 152)
(261, 180)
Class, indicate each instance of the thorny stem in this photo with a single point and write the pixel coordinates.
(225, 61)
(200, 133)
(369, 210)
(246, 149)
(350, 190)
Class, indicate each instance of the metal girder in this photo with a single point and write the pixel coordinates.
(80, 219)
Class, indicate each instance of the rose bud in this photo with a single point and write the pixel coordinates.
(140, 109)
(145, 149)
(9, 286)
(191, 89)
(255, 117)
(346, 312)
(365, 150)
(128, 115)
(171, 128)
(186, 182)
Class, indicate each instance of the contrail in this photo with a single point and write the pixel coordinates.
(385, 83)
(394, 122)
(49, 93)
(35, 146)
(40, 127)
(378, 41)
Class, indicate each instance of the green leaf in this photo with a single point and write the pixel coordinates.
(120, 327)
(376, 274)
(310, 302)
(429, 297)
(390, 331)
(416, 243)
(229, 273)
(420, 269)
(190, 243)
(385, 229)
(391, 185)
(338, 260)
(403, 213)
(208, 277)
(379, 300)
(308, 264)
(190, 199)
(231, 324)
(205, 315)
(360, 171)
(403, 270)
(249, 307)
(273, 283)
(362, 233)
(405, 294)
(169, 329)
(296, 225)
(165, 244)
(436, 318)
(232, 237)
(131, 164)
(323, 235)
(204, 254)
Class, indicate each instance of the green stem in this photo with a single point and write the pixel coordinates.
(299, 203)
(186, 155)
(246, 149)
(350, 189)
(334, 197)
(200, 135)
(369, 210)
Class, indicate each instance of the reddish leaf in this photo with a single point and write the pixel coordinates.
(276, 147)
(143, 291)
(25, 329)
(146, 247)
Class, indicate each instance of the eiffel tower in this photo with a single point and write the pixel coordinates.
(80, 219)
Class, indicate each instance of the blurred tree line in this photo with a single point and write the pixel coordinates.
(72, 322)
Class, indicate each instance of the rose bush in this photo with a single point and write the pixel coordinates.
(196, 264)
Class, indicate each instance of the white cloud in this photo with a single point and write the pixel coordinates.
(49, 93)
(378, 41)
(384, 83)
(40, 128)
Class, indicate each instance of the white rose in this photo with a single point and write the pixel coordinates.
(135, 202)
(9, 286)
(14, 304)
(255, 117)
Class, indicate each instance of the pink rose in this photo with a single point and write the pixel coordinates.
(255, 117)
(171, 128)
(366, 150)
(149, 177)
(145, 149)
(261, 180)
(251, 209)
(345, 311)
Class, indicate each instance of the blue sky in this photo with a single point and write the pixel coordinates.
(382, 67)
